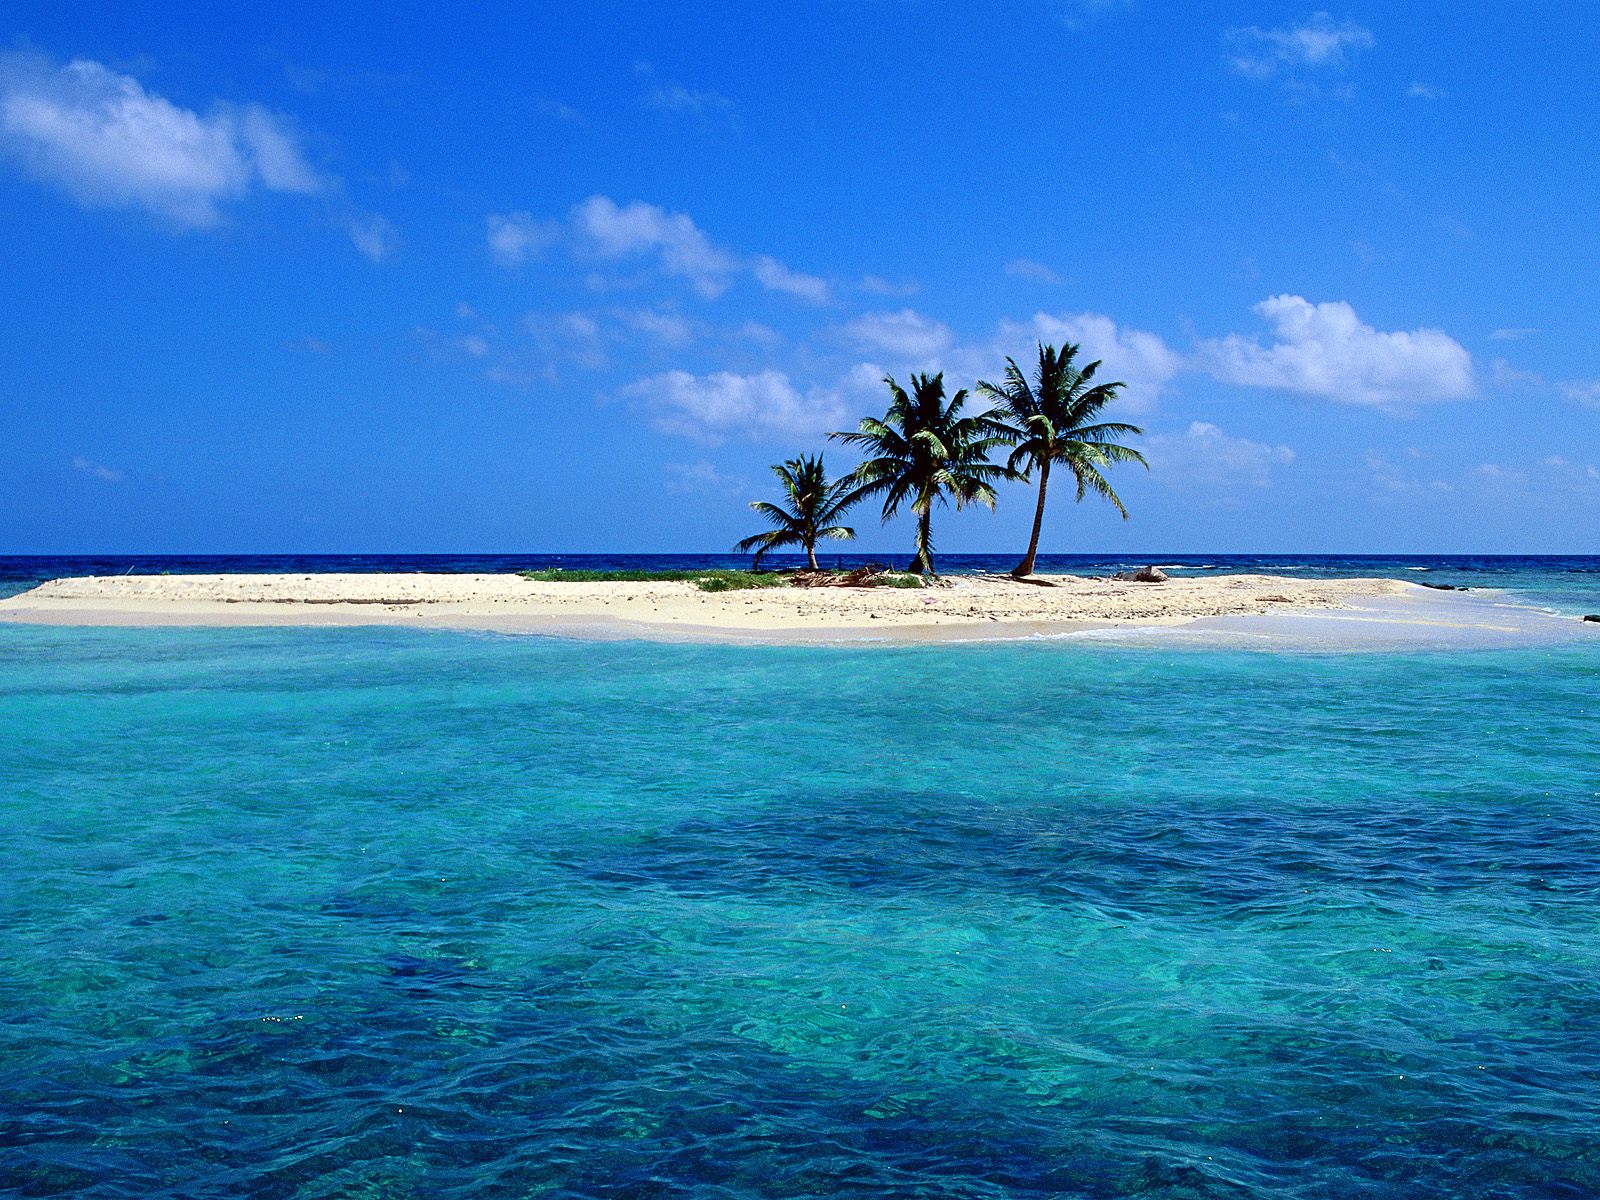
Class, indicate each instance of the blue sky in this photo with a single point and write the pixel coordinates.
(568, 277)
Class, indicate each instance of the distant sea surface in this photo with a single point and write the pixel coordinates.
(364, 912)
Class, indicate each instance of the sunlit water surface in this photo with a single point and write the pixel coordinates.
(366, 913)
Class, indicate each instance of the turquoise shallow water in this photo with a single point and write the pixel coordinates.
(318, 913)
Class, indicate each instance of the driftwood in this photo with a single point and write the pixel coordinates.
(860, 577)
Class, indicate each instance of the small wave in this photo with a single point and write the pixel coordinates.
(1419, 568)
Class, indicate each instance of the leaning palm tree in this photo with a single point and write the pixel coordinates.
(814, 504)
(924, 450)
(1056, 420)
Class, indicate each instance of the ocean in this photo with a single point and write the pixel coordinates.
(372, 912)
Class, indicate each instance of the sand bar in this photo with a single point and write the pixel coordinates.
(959, 606)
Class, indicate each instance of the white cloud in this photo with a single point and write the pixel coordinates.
(1558, 470)
(373, 235)
(1425, 91)
(1391, 478)
(666, 327)
(1076, 14)
(98, 470)
(1027, 268)
(1139, 359)
(775, 277)
(1325, 350)
(1501, 474)
(877, 285)
(702, 478)
(559, 111)
(514, 238)
(1503, 375)
(679, 99)
(762, 335)
(105, 140)
(1320, 41)
(110, 144)
(638, 229)
(1584, 391)
(906, 334)
(707, 408)
(1204, 457)
(622, 231)
(574, 336)
(1512, 335)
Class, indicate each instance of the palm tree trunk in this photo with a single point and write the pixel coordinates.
(922, 564)
(1025, 567)
(811, 556)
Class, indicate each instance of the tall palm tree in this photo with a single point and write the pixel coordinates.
(924, 450)
(814, 504)
(1056, 419)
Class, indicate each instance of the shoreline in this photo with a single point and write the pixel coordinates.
(1235, 608)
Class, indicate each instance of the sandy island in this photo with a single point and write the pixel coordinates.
(959, 606)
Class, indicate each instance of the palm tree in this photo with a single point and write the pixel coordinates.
(925, 450)
(814, 504)
(1056, 420)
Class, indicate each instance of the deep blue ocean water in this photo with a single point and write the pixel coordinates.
(388, 913)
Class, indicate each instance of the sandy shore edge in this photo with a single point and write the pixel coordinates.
(959, 608)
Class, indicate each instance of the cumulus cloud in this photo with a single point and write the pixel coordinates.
(1318, 42)
(1139, 359)
(603, 229)
(514, 238)
(617, 231)
(101, 137)
(1386, 475)
(669, 328)
(1502, 474)
(878, 286)
(105, 140)
(99, 471)
(775, 277)
(373, 235)
(1584, 391)
(1503, 375)
(906, 334)
(1325, 350)
(1076, 14)
(1027, 268)
(1203, 456)
(572, 336)
(674, 97)
(707, 408)
(702, 478)
(620, 231)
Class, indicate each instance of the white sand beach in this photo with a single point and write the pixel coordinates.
(965, 606)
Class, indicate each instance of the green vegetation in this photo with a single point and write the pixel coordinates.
(1057, 420)
(924, 450)
(706, 581)
(814, 504)
(711, 580)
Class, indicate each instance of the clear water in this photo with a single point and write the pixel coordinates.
(379, 913)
